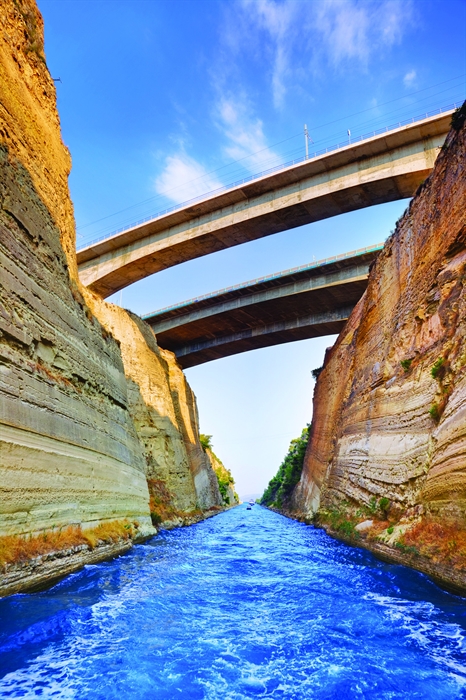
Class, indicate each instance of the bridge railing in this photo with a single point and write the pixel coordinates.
(329, 149)
(267, 278)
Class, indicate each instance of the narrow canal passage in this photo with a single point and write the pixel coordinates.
(245, 605)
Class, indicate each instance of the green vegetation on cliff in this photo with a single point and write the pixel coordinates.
(226, 483)
(206, 441)
(278, 492)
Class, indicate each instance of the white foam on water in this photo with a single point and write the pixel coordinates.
(249, 622)
(424, 627)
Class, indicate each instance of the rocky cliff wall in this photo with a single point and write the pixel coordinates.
(184, 401)
(163, 409)
(388, 440)
(225, 479)
(91, 411)
(69, 451)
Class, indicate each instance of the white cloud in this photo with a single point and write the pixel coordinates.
(352, 29)
(409, 79)
(343, 26)
(292, 35)
(183, 178)
(246, 139)
(285, 37)
(278, 21)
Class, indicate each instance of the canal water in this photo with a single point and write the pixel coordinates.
(245, 605)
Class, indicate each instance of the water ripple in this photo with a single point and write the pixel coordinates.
(245, 605)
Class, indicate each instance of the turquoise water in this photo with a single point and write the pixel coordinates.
(245, 605)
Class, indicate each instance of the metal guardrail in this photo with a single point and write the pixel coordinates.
(267, 278)
(277, 168)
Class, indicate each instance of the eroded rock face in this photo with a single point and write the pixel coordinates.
(164, 411)
(224, 477)
(90, 408)
(184, 402)
(68, 448)
(389, 415)
(30, 126)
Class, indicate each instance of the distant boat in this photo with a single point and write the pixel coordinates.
(251, 503)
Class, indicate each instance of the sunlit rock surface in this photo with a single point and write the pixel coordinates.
(90, 408)
(224, 476)
(389, 416)
(163, 408)
(69, 451)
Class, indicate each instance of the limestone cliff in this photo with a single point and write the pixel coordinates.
(225, 479)
(92, 413)
(184, 401)
(388, 438)
(164, 412)
(68, 451)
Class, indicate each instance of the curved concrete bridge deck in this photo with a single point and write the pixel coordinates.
(305, 302)
(380, 169)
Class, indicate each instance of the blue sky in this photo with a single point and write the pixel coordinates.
(161, 101)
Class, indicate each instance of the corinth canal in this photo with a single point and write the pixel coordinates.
(245, 605)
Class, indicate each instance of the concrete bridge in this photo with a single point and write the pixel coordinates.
(305, 302)
(383, 168)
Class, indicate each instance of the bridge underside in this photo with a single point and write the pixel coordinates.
(260, 336)
(301, 304)
(382, 169)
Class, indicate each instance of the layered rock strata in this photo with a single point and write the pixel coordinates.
(164, 412)
(69, 451)
(389, 419)
(44, 571)
(225, 479)
(90, 408)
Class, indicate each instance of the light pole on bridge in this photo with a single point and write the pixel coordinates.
(307, 138)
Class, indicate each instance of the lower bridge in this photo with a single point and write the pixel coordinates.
(304, 302)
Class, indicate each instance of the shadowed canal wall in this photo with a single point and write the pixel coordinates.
(97, 425)
(385, 465)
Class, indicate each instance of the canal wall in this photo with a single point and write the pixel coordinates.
(163, 410)
(385, 465)
(91, 410)
(224, 478)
